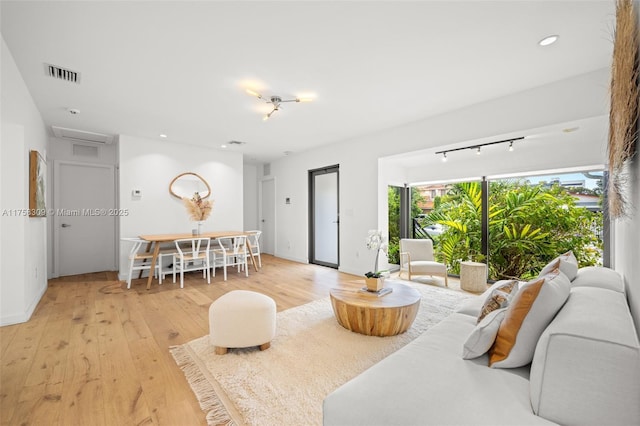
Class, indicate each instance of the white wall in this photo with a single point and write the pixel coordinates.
(627, 242)
(23, 240)
(362, 195)
(150, 165)
(250, 196)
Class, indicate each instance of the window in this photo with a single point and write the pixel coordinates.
(529, 220)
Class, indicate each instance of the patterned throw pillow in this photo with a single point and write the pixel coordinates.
(499, 297)
(530, 312)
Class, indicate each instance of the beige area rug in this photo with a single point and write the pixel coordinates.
(310, 356)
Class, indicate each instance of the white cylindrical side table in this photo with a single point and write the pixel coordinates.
(473, 276)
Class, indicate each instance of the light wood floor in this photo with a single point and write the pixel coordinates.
(95, 353)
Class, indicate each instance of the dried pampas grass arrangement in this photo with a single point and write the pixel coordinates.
(197, 208)
(625, 98)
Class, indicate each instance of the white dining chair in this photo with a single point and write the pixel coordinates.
(192, 255)
(140, 259)
(231, 251)
(254, 241)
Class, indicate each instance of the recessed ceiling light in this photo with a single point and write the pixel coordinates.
(162, 135)
(223, 146)
(549, 40)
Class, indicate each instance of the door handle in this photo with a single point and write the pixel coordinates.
(65, 225)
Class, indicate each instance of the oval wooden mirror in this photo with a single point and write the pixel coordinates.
(187, 184)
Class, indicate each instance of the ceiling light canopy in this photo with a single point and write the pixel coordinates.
(549, 40)
(276, 101)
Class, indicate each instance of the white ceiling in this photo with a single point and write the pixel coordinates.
(180, 68)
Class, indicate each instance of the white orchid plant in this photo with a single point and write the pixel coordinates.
(376, 241)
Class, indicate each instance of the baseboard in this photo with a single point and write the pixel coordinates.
(293, 259)
(351, 271)
(24, 317)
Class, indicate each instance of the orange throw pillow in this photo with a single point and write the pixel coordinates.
(529, 313)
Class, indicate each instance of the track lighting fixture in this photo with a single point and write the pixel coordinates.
(478, 147)
(275, 101)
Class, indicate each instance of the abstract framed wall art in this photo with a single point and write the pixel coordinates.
(37, 178)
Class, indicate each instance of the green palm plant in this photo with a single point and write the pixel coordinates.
(460, 213)
(528, 226)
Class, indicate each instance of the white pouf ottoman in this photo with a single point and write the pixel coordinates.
(240, 319)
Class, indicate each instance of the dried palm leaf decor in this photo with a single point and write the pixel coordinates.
(625, 99)
(197, 208)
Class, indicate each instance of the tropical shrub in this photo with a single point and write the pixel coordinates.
(393, 200)
(528, 226)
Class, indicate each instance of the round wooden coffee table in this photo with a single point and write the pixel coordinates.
(366, 313)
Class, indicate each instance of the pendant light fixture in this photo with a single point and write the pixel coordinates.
(276, 101)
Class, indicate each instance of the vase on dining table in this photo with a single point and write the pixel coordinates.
(198, 229)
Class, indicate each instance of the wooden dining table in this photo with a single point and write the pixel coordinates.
(156, 240)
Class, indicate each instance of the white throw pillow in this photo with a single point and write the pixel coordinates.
(528, 314)
(482, 337)
(566, 262)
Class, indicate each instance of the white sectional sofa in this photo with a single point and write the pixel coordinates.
(585, 370)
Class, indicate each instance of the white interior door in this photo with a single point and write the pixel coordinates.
(325, 221)
(268, 216)
(85, 218)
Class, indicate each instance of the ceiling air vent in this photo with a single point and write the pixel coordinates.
(62, 73)
(82, 136)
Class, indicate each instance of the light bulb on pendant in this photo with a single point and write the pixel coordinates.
(478, 151)
(444, 157)
(547, 41)
(511, 146)
(252, 93)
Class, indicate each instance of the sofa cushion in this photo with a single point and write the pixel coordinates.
(483, 335)
(567, 263)
(531, 310)
(428, 382)
(596, 276)
(586, 368)
(499, 297)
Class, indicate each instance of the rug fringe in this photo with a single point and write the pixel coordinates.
(217, 414)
